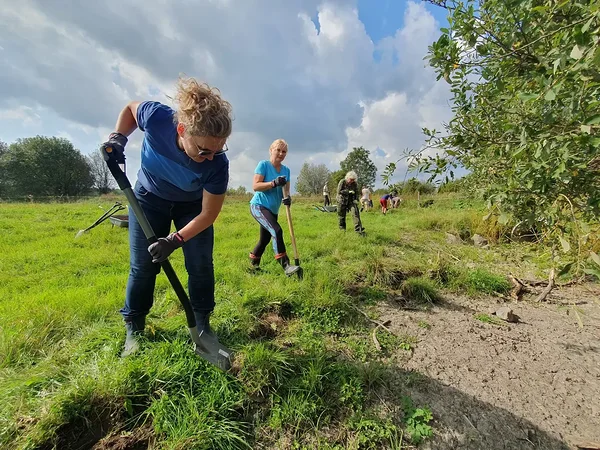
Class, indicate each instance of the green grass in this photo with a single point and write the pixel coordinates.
(306, 363)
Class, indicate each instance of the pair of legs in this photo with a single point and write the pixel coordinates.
(384, 205)
(343, 210)
(364, 203)
(198, 254)
(326, 201)
(270, 231)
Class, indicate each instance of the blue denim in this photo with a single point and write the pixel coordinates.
(197, 252)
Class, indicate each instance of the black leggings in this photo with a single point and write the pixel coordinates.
(269, 230)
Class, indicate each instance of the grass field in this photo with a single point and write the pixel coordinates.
(307, 374)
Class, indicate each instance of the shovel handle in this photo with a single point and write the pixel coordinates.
(288, 214)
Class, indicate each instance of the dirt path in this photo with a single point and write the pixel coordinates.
(530, 385)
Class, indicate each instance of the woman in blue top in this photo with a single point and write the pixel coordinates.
(183, 178)
(271, 182)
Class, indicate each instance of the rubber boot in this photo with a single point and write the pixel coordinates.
(203, 323)
(287, 267)
(135, 328)
(254, 261)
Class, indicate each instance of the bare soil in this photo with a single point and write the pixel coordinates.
(534, 384)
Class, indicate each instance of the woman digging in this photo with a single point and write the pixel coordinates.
(271, 188)
(182, 180)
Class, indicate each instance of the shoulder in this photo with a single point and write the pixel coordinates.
(152, 113)
(261, 166)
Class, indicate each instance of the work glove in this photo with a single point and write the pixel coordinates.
(117, 142)
(351, 192)
(287, 201)
(161, 249)
(344, 191)
(279, 181)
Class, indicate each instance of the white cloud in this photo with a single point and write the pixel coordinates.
(318, 87)
(25, 114)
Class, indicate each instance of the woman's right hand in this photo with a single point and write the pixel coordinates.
(279, 181)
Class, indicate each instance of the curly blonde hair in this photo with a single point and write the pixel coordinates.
(202, 110)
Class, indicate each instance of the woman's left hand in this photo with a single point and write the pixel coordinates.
(161, 249)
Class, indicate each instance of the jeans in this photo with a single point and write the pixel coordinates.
(197, 252)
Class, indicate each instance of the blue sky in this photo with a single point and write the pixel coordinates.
(324, 75)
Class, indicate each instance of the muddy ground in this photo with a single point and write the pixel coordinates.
(528, 385)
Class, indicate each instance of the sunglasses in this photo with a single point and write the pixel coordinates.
(205, 152)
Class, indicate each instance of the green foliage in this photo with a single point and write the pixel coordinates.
(312, 178)
(240, 190)
(45, 166)
(419, 290)
(359, 161)
(525, 81)
(417, 421)
(481, 281)
(412, 186)
(334, 180)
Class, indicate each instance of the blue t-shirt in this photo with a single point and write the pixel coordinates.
(271, 198)
(166, 170)
(386, 197)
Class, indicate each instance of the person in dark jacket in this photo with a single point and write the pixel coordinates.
(347, 198)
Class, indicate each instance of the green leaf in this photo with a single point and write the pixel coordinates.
(565, 244)
(527, 97)
(503, 219)
(593, 120)
(576, 53)
(586, 129)
(550, 95)
(565, 269)
(540, 9)
(595, 257)
(592, 271)
(587, 25)
(487, 216)
(557, 63)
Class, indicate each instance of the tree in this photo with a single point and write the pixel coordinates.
(3, 176)
(335, 179)
(525, 81)
(240, 190)
(312, 178)
(359, 161)
(103, 179)
(46, 166)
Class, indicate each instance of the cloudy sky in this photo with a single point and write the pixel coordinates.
(324, 75)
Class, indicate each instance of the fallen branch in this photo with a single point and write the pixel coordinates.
(376, 322)
(548, 288)
(375, 341)
(518, 288)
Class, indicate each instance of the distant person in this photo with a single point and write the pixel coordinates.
(348, 201)
(271, 189)
(182, 180)
(326, 201)
(365, 199)
(395, 200)
(383, 201)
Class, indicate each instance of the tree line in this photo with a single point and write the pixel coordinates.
(51, 167)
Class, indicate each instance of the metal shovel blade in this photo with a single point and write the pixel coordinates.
(209, 348)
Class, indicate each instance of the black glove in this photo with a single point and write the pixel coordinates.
(116, 144)
(279, 181)
(287, 201)
(161, 249)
